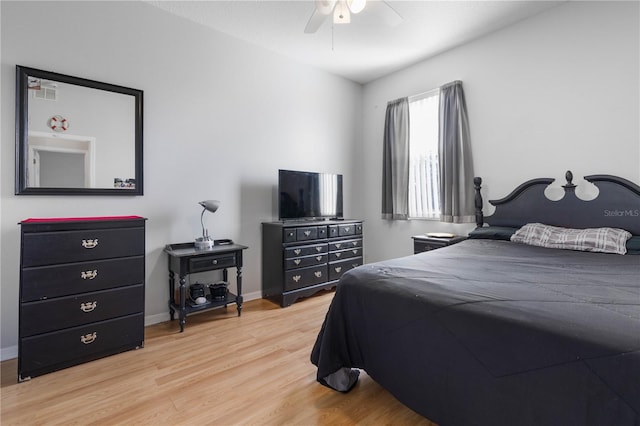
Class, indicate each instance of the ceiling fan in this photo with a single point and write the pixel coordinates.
(342, 10)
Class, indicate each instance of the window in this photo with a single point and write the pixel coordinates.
(426, 139)
(424, 176)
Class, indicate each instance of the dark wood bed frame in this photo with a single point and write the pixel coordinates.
(617, 205)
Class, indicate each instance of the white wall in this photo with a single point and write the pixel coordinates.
(556, 92)
(220, 117)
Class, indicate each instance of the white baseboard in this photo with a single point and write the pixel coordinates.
(156, 319)
(12, 351)
(8, 353)
(252, 296)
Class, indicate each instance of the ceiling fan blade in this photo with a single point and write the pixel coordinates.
(385, 11)
(315, 21)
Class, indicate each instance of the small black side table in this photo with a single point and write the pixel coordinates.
(184, 259)
(425, 243)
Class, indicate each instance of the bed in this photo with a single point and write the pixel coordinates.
(495, 332)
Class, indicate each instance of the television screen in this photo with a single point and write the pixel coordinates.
(308, 195)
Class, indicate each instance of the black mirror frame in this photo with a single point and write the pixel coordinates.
(22, 113)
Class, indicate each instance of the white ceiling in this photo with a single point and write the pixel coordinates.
(367, 48)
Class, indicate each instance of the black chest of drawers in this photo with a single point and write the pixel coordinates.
(81, 291)
(302, 258)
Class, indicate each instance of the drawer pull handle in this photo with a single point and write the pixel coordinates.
(318, 258)
(318, 274)
(214, 262)
(318, 249)
(89, 275)
(355, 265)
(297, 251)
(338, 268)
(338, 245)
(296, 278)
(297, 261)
(338, 254)
(88, 306)
(307, 233)
(346, 229)
(89, 338)
(354, 251)
(355, 243)
(89, 244)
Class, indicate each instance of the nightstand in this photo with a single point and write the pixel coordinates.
(184, 259)
(425, 243)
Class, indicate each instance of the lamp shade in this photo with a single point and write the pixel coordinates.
(356, 6)
(210, 205)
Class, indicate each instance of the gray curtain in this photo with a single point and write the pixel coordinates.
(395, 166)
(456, 166)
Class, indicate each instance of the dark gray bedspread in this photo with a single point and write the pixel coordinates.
(492, 332)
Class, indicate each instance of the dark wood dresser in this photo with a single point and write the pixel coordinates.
(302, 258)
(81, 291)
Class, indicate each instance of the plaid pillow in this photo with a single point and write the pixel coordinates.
(604, 240)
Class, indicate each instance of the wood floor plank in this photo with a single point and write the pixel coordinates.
(223, 370)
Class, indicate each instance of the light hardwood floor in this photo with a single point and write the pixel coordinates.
(223, 370)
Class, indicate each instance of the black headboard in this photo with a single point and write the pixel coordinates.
(617, 205)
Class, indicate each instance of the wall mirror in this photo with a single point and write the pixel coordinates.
(76, 136)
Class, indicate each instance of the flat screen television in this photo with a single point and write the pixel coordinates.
(309, 195)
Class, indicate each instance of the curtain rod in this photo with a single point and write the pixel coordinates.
(433, 91)
(423, 95)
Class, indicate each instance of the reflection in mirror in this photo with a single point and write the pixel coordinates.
(66, 161)
(76, 136)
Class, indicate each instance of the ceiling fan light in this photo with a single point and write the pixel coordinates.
(341, 14)
(356, 6)
(325, 7)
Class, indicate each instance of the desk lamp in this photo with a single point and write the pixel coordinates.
(206, 242)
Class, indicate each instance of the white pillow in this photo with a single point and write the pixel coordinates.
(604, 240)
